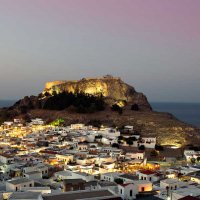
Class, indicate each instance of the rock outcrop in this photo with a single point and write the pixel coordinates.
(113, 89)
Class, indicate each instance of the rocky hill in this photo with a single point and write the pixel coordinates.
(113, 89)
(167, 129)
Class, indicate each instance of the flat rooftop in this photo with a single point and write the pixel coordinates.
(187, 191)
(25, 195)
(33, 172)
(129, 176)
(106, 194)
(19, 181)
(170, 181)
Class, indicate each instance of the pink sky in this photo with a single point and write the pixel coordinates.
(68, 39)
(174, 17)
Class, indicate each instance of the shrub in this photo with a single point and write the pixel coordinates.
(98, 137)
(130, 140)
(115, 145)
(117, 108)
(159, 148)
(58, 122)
(119, 181)
(193, 160)
(135, 107)
(95, 123)
(154, 153)
(120, 138)
(141, 147)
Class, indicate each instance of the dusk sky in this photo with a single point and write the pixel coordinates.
(153, 45)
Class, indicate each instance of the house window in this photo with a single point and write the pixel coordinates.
(131, 193)
(16, 188)
(121, 191)
(30, 184)
(143, 189)
(150, 178)
(175, 187)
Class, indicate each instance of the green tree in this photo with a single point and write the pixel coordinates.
(129, 141)
(58, 122)
(119, 181)
(115, 145)
(141, 147)
(193, 160)
(98, 137)
(154, 153)
(120, 138)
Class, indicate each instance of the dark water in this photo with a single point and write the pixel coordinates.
(187, 112)
(6, 103)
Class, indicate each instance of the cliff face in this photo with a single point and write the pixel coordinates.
(113, 89)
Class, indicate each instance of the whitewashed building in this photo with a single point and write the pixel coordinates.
(18, 184)
(127, 191)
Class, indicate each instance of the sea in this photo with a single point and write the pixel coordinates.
(6, 103)
(186, 112)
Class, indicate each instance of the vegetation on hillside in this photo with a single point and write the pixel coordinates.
(58, 122)
(117, 108)
(135, 107)
(83, 103)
